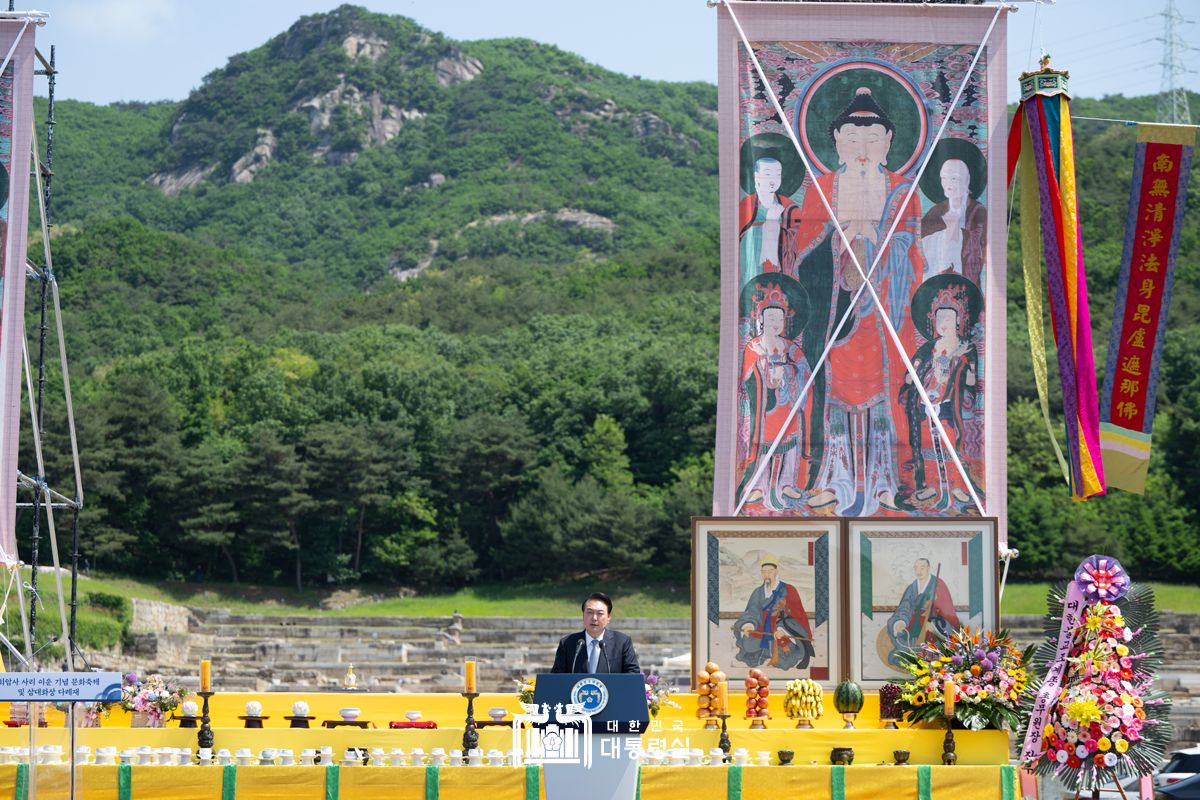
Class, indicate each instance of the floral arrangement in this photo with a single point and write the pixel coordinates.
(153, 696)
(658, 694)
(988, 674)
(1101, 719)
(525, 687)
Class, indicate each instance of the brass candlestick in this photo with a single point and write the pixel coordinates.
(949, 757)
(470, 739)
(204, 738)
(725, 745)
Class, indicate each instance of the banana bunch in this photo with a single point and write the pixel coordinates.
(803, 699)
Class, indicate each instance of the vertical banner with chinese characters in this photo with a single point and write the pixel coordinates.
(16, 133)
(1157, 198)
(841, 396)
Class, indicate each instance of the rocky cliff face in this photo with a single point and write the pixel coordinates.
(356, 78)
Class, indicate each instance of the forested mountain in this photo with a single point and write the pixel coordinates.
(372, 304)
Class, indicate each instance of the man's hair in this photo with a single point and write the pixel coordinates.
(926, 560)
(601, 596)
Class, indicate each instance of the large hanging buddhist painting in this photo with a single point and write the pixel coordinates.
(892, 126)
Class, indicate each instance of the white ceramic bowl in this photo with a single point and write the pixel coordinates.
(254, 709)
(300, 709)
(348, 714)
(412, 716)
(189, 708)
(497, 713)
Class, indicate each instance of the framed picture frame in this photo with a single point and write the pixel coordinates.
(768, 593)
(912, 581)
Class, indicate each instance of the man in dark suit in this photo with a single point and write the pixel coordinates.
(597, 648)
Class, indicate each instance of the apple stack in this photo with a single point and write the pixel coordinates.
(708, 685)
(757, 690)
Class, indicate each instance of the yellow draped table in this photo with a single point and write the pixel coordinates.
(871, 746)
(507, 783)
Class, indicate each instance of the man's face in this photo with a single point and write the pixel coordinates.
(921, 569)
(768, 177)
(595, 618)
(862, 146)
(769, 571)
(956, 178)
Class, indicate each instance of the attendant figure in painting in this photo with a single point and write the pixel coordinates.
(774, 370)
(945, 310)
(859, 466)
(925, 612)
(767, 221)
(774, 629)
(954, 231)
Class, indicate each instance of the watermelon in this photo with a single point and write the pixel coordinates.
(848, 698)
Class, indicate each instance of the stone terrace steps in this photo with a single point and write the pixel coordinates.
(260, 652)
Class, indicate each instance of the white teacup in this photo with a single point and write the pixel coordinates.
(412, 716)
(254, 709)
(418, 757)
(189, 708)
(300, 709)
(399, 757)
(267, 757)
(286, 758)
(716, 757)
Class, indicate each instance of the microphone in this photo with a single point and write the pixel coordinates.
(579, 645)
(604, 653)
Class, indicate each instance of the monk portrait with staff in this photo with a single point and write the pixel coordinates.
(774, 630)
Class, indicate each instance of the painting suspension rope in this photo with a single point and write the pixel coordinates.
(917, 383)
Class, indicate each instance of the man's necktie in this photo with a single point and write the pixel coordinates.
(593, 655)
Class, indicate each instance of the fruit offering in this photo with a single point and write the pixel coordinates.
(848, 700)
(708, 682)
(803, 701)
(757, 691)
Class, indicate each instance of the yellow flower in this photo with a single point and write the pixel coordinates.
(1048, 730)
(1119, 620)
(1104, 744)
(1122, 650)
(923, 681)
(1084, 711)
(937, 665)
(918, 699)
(1122, 745)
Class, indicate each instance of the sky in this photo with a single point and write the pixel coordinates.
(116, 50)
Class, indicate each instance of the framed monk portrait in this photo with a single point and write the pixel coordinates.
(916, 581)
(767, 593)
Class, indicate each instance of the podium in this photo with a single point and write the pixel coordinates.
(601, 767)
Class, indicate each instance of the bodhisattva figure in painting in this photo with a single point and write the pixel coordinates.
(954, 231)
(944, 310)
(774, 629)
(925, 613)
(774, 370)
(767, 220)
(859, 465)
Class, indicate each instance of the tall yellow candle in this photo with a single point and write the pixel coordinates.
(948, 695)
(722, 697)
(470, 675)
(206, 675)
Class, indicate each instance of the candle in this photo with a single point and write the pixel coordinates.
(470, 675)
(722, 697)
(205, 675)
(948, 695)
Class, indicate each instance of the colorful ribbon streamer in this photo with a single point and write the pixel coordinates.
(1157, 198)
(1042, 137)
